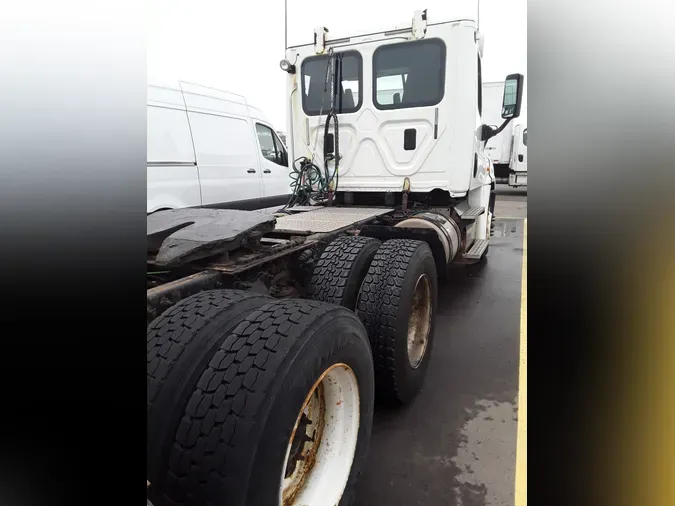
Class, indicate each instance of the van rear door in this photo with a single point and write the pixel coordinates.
(172, 177)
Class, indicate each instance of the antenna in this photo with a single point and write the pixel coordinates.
(285, 26)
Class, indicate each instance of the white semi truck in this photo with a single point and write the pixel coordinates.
(508, 149)
(270, 337)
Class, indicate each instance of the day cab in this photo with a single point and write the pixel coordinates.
(409, 108)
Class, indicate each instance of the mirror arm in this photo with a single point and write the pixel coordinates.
(488, 132)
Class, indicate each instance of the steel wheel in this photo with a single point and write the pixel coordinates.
(323, 442)
(419, 323)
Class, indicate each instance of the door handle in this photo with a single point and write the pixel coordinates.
(251, 171)
(267, 171)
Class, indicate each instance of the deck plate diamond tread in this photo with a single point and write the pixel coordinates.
(327, 219)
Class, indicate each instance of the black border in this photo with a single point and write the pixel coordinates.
(430, 103)
(350, 52)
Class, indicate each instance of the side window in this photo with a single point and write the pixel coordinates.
(281, 151)
(270, 146)
(315, 100)
(409, 74)
(480, 88)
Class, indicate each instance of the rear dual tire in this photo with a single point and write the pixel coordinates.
(341, 269)
(238, 412)
(393, 288)
(397, 304)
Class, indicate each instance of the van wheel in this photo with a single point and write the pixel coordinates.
(180, 343)
(281, 414)
(397, 304)
(341, 269)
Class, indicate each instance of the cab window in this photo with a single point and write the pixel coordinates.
(316, 101)
(409, 74)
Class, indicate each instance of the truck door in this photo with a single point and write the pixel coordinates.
(409, 82)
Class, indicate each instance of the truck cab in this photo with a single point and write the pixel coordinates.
(397, 112)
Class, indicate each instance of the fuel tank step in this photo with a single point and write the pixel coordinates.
(472, 213)
(477, 249)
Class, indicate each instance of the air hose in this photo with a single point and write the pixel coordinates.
(307, 180)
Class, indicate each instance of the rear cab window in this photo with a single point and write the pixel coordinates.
(409, 74)
(316, 101)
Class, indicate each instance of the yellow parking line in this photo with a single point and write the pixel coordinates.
(521, 444)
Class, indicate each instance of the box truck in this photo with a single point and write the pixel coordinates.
(507, 150)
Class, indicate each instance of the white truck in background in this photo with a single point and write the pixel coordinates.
(508, 149)
(518, 164)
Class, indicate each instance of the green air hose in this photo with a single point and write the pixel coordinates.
(307, 179)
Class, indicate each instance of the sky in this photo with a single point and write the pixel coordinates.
(237, 46)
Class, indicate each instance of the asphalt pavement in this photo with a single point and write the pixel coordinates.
(456, 443)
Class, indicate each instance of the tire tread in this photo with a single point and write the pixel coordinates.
(333, 279)
(211, 440)
(378, 306)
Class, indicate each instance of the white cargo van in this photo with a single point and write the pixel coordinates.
(209, 148)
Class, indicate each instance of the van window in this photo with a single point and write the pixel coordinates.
(409, 74)
(315, 101)
(270, 145)
(525, 137)
(222, 140)
(169, 139)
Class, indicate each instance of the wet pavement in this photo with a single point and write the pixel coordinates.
(456, 443)
(511, 202)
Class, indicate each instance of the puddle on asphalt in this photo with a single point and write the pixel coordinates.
(486, 456)
(505, 228)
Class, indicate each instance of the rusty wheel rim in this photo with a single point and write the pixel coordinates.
(419, 323)
(322, 444)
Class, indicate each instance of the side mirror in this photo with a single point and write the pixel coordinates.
(513, 96)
